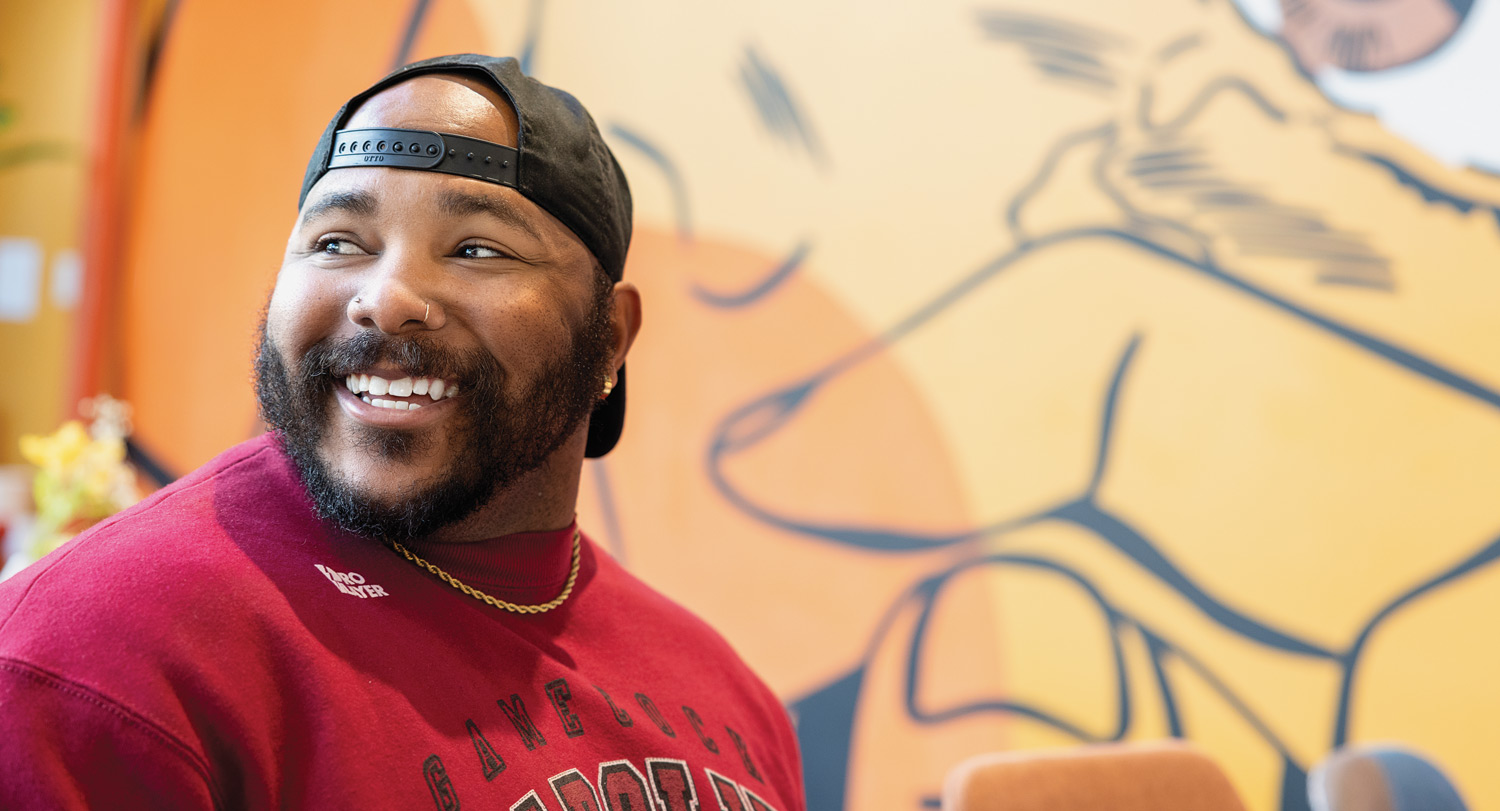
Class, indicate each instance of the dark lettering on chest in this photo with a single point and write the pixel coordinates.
(664, 784)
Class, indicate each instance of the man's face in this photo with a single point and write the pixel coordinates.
(482, 318)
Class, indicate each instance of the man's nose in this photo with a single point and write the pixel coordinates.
(401, 295)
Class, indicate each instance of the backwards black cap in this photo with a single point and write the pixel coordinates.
(560, 162)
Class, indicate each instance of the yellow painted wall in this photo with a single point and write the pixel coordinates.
(46, 99)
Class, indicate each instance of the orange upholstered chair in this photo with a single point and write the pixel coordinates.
(1159, 776)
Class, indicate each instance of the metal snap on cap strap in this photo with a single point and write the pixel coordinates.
(426, 150)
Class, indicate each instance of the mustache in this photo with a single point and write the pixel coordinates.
(417, 356)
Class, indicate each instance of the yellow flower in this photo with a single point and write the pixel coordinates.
(58, 451)
(79, 481)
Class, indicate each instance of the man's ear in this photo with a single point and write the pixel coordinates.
(625, 321)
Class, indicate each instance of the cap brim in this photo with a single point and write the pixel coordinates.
(607, 421)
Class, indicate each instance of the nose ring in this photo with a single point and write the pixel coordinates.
(427, 313)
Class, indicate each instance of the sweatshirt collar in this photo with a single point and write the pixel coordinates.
(527, 566)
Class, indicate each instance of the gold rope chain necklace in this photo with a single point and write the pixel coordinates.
(496, 602)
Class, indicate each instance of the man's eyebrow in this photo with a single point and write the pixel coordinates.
(462, 204)
(354, 201)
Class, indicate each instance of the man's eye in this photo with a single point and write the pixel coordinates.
(337, 247)
(479, 252)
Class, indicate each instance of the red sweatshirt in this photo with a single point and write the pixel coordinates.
(216, 646)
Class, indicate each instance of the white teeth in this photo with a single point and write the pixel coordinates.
(366, 385)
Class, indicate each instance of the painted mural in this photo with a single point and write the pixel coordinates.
(1014, 373)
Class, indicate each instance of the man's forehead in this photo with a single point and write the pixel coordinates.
(441, 102)
(363, 192)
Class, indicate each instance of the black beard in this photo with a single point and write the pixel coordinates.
(493, 439)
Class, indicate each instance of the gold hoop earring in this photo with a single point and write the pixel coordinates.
(609, 385)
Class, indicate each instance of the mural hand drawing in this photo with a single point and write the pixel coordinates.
(1159, 178)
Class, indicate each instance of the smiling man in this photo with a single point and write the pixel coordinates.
(386, 602)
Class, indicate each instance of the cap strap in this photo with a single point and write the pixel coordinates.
(424, 149)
